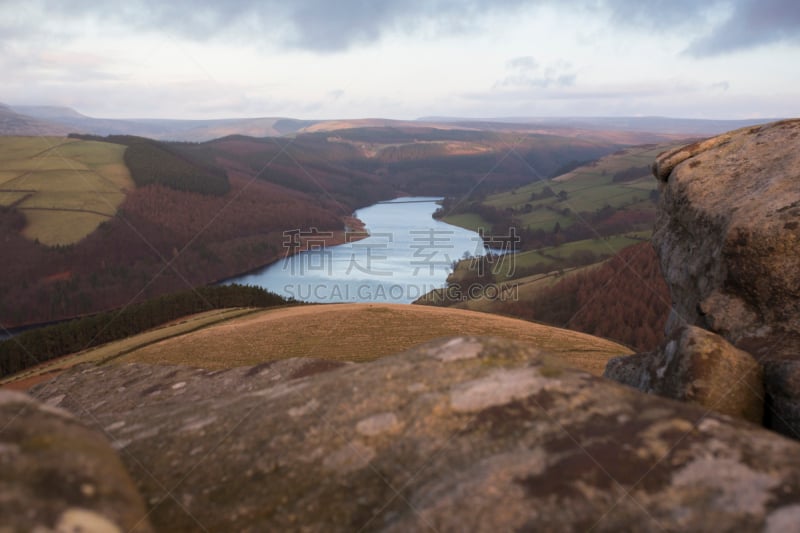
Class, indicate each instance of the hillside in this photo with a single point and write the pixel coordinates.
(603, 197)
(101, 222)
(13, 123)
(153, 219)
(600, 213)
(337, 332)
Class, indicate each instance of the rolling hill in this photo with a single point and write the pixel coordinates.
(338, 332)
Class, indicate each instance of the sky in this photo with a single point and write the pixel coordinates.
(403, 59)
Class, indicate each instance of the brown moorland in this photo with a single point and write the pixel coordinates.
(358, 332)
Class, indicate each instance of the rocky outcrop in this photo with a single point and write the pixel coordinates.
(697, 366)
(728, 238)
(58, 475)
(465, 434)
(728, 235)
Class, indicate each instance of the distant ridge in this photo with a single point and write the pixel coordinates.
(13, 123)
(68, 120)
(59, 120)
(664, 125)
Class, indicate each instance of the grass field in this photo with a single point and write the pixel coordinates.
(359, 332)
(341, 332)
(467, 220)
(588, 188)
(65, 187)
(550, 256)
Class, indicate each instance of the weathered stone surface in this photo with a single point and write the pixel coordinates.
(728, 235)
(782, 387)
(58, 475)
(697, 366)
(457, 435)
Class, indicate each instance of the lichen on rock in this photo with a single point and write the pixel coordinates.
(494, 437)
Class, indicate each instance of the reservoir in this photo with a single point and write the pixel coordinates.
(407, 254)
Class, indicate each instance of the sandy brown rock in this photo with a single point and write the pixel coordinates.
(458, 435)
(58, 475)
(728, 235)
(697, 366)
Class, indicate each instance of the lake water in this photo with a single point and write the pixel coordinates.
(407, 254)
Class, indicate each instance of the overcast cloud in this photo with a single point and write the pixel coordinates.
(326, 26)
(351, 57)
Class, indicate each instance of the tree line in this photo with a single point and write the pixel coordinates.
(153, 162)
(37, 346)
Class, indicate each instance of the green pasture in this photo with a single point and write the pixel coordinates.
(65, 187)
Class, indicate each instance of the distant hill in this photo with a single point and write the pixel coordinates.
(653, 125)
(68, 120)
(57, 120)
(14, 123)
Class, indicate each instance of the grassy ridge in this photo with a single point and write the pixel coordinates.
(357, 332)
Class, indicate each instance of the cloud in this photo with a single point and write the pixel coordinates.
(752, 23)
(662, 15)
(526, 73)
(525, 62)
(323, 26)
(749, 24)
(316, 25)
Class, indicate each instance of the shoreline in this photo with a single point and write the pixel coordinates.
(353, 230)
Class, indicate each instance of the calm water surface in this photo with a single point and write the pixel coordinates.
(407, 254)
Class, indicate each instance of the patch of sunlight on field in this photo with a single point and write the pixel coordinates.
(72, 185)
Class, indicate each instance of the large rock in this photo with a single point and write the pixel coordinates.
(728, 235)
(697, 366)
(458, 435)
(782, 387)
(58, 475)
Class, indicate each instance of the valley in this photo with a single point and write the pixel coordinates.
(189, 214)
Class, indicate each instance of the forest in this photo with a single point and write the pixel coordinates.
(624, 299)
